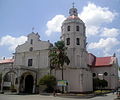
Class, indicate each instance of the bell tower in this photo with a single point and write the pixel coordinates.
(73, 34)
(77, 73)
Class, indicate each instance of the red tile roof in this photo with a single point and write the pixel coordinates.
(6, 61)
(94, 61)
(73, 17)
(104, 61)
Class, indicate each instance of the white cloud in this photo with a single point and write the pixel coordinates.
(113, 32)
(106, 53)
(1, 58)
(104, 43)
(12, 42)
(118, 50)
(94, 16)
(92, 30)
(54, 25)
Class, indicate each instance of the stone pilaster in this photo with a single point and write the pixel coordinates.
(2, 83)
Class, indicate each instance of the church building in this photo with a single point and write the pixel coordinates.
(31, 61)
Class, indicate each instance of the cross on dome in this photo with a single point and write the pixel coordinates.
(73, 4)
(73, 11)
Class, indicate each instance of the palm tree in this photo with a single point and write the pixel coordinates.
(58, 57)
(0, 79)
(53, 59)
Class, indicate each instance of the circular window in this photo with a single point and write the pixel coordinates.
(105, 73)
(94, 74)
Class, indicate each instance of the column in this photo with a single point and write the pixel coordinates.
(34, 83)
(2, 84)
(18, 86)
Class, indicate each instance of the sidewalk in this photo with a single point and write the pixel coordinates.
(65, 95)
(72, 95)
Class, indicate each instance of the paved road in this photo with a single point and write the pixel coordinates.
(42, 97)
(107, 97)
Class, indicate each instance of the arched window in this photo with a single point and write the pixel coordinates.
(30, 62)
(7, 77)
(68, 41)
(68, 28)
(77, 41)
(16, 81)
(31, 49)
(77, 28)
(105, 74)
(31, 41)
(74, 11)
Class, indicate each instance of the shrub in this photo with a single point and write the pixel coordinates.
(49, 81)
(99, 84)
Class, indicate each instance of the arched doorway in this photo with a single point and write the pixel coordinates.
(9, 81)
(29, 84)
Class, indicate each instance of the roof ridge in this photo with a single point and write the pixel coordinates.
(104, 57)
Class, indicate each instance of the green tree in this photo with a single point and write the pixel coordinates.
(99, 84)
(104, 83)
(96, 83)
(49, 81)
(58, 56)
(53, 59)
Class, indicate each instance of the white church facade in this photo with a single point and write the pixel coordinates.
(31, 61)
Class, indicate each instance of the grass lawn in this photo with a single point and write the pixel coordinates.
(103, 91)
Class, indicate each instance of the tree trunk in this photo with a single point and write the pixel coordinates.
(62, 73)
(62, 79)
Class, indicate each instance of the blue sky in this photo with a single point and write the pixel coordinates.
(101, 17)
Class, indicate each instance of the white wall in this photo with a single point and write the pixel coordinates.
(5, 65)
(78, 79)
(39, 53)
(112, 76)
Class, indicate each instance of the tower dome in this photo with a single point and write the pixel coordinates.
(73, 30)
(73, 17)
